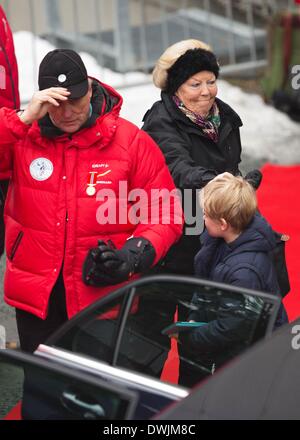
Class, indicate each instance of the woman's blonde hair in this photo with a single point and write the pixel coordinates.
(170, 56)
(231, 198)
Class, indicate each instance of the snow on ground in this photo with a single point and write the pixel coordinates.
(267, 133)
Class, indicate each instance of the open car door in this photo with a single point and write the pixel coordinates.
(123, 339)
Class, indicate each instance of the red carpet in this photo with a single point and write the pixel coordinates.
(278, 199)
(171, 368)
(15, 413)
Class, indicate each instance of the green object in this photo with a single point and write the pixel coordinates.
(276, 77)
(181, 326)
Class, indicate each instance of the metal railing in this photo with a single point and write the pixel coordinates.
(128, 35)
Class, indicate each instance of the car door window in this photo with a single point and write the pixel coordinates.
(36, 389)
(95, 331)
(129, 330)
(214, 324)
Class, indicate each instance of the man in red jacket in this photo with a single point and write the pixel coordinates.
(9, 96)
(75, 166)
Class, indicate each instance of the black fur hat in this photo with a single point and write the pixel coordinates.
(190, 63)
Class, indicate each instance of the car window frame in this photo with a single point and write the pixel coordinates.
(128, 292)
(132, 286)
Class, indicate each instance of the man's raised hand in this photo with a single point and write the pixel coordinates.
(41, 102)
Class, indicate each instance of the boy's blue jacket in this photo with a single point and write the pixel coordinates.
(244, 262)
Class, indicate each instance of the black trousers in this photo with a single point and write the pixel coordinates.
(33, 330)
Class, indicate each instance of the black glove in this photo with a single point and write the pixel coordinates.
(106, 265)
(254, 177)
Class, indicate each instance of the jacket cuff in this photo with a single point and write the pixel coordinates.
(18, 130)
(208, 176)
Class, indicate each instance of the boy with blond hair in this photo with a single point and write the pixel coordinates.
(235, 250)
(229, 205)
(237, 240)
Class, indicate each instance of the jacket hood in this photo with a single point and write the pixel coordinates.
(257, 237)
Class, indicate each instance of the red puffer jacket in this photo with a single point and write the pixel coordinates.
(52, 211)
(9, 93)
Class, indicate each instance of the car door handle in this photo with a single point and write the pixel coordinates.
(85, 406)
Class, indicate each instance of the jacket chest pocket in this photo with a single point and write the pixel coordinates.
(15, 245)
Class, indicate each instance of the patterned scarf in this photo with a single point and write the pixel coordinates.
(208, 125)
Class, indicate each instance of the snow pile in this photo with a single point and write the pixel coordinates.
(30, 51)
(267, 133)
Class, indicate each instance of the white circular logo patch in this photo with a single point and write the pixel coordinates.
(41, 168)
(61, 78)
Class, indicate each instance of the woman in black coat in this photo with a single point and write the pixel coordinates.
(197, 132)
(200, 138)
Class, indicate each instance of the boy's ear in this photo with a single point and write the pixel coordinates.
(224, 224)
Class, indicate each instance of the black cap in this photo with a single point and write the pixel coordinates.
(64, 68)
